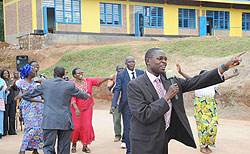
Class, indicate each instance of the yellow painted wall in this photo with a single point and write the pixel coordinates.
(235, 22)
(171, 26)
(90, 11)
(90, 16)
(128, 21)
(34, 20)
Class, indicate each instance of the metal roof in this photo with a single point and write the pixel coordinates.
(228, 1)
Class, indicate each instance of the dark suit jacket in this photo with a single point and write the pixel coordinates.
(147, 132)
(122, 81)
(57, 94)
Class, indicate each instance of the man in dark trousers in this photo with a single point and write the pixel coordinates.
(157, 115)
(122, 80)
(115, 113)
(57, 118)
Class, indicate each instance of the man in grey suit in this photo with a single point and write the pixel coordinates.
(157, 115)
(57, 118)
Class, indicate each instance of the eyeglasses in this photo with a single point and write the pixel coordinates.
(162, 58)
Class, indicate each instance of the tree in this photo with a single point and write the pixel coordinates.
(1, 22)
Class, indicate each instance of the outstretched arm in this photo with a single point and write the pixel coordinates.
(182, 73)
(28, 95)
(235, 73)
(231, 63)
(105, 79)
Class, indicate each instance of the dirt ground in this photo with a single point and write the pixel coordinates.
(233, 104)
(232, 138)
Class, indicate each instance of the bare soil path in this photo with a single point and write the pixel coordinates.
(232, 138)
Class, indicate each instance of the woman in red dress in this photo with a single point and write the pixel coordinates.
(82, 110)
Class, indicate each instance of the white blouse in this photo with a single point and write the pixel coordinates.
(207, 92)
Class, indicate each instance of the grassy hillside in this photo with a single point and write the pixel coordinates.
(101, 61)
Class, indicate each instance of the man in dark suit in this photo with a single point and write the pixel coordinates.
(122, 80)
(157, 116)
(57, 118)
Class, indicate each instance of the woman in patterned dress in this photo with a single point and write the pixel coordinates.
(205, 113)
(32, 112)
(82, 110)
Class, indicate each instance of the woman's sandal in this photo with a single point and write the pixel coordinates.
(87, 150)
(208, 149)
(73, 150)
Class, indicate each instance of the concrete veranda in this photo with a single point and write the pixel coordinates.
(233, 138)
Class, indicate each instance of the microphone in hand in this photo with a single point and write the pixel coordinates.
(170, 76)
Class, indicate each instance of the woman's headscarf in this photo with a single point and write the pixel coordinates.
(25, 71)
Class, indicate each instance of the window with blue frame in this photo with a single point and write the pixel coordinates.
(220, 19)
(186, 18)
(245, 21)
(110, 14)
(153, 16)
(68, 11)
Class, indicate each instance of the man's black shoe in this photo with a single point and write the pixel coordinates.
(13, 133)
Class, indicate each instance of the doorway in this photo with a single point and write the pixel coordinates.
(139, 25)
(49, 20)
(209, 26)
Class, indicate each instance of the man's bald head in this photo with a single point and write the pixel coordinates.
(129, 58)
(130, 63)
(119, 68)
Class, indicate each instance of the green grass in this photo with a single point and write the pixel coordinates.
(101, 61)
(207, 48)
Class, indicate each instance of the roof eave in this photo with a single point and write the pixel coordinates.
(223, 1)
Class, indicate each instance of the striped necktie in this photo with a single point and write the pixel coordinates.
(160, 93)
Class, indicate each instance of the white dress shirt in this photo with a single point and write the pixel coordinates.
(130, 73)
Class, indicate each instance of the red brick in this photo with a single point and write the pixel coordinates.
(25, 16)
(11, 20)
(39, 15)
(69, 27)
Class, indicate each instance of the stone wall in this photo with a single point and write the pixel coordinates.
(35, 42)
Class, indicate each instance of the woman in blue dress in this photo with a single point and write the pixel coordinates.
(32, 112)
(2, 105)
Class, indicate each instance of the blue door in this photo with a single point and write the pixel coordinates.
(203, 26)
(45, 21)
(137, 25)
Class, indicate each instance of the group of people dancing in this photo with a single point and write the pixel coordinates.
(151, 113)
(32, 109)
